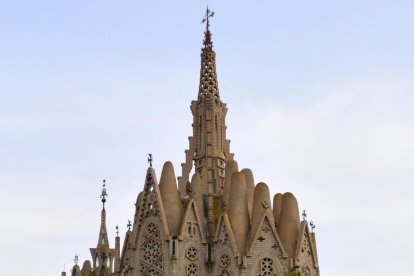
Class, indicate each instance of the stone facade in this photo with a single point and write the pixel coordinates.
(216, 221)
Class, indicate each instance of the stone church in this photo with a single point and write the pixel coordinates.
(217, 221)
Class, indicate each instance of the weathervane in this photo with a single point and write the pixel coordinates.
(150, 159)
(129, 225)
(76, 259)
(117, 231)
(207, 17)
(104, 194)
(304, 215)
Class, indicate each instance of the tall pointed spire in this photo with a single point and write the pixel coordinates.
(103, 235)
(102, 254)
(209, 149)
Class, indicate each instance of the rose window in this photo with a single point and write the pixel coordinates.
(192, 270)
(225, 260)
(192, 253)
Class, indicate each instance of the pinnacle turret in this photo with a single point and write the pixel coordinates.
(103, 235)
(102, 255)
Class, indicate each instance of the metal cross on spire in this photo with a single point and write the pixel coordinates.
(150, 159)
(208, 44)
(304, 215)
(104, 194)
(129, 225)
(207, 17)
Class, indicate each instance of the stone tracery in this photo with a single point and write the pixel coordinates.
(151, 257)
(266, 267)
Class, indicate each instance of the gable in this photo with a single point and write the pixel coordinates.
(224, 234)
(305, 249)
(267, 240)
(123, 261)
(150, 206)
(191, 227)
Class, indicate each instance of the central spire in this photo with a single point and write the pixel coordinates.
(209, 149)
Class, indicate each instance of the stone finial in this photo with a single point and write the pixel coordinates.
(238, 211)
(86, 268)
(289, 223)
(231, 167)
(170, 198)
(277, 207)
(248, 175)
(261, 205)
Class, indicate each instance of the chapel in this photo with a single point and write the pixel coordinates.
(213, 219)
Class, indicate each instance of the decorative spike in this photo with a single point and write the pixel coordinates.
(261, 204)
(277, 207)
(238, 211)
(248, 175)
(289, 223)
(231, 167)
(170, 198)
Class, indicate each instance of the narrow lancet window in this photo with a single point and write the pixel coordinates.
(200, 134)
(216, 131)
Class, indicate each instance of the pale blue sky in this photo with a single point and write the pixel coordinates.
(324, 88)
